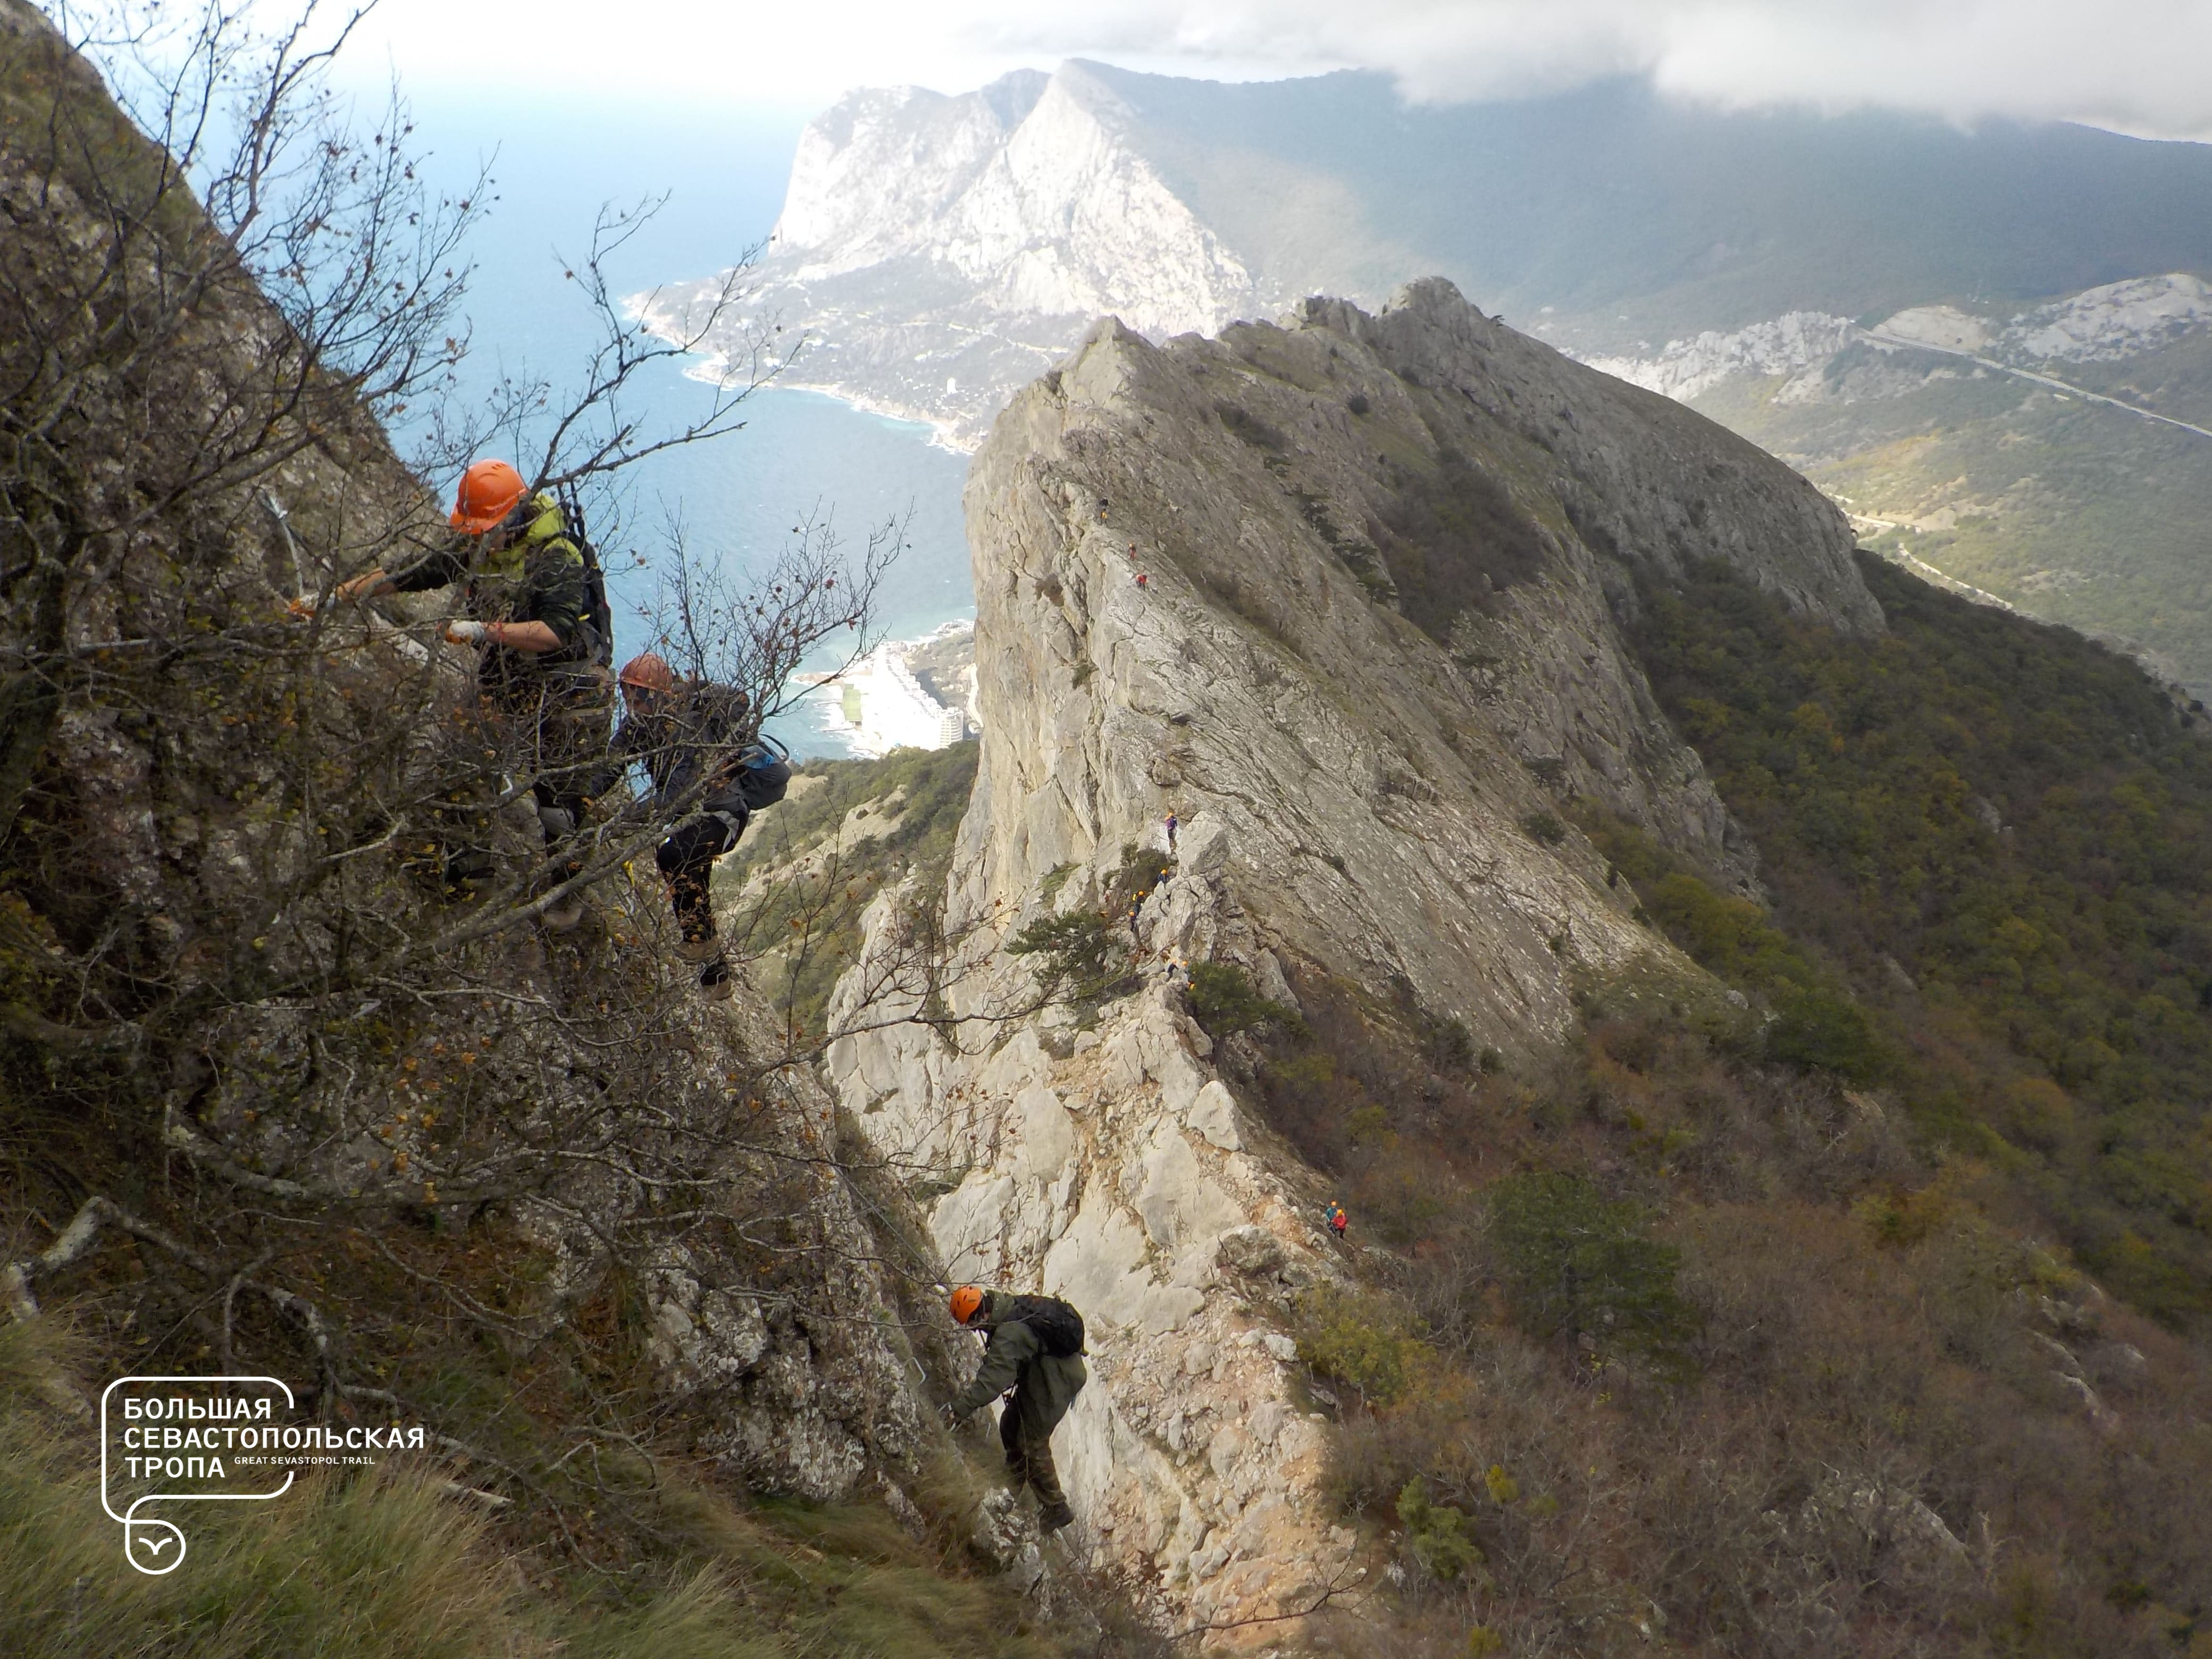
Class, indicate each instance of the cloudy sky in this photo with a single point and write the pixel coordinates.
(2140, 65)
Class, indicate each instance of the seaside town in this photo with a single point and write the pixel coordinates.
(905, 694)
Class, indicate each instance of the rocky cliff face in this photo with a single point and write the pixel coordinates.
(945, 250)
(1342, 594)
(225, 951)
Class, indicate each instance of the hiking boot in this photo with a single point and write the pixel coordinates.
(468, 872)
(715, 980)
(698, 950)
(562, 916)
(1052, 1519)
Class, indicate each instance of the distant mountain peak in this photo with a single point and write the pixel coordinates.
(943, 249)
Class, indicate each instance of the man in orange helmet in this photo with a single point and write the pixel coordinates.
(516, 559)
(710, 771)
(528, 599)
(1035, 1350)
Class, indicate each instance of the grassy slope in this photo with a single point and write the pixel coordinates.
(1707, 1382)
(2023, 821)
(805, 931)
(1688, 1338)
(389, 1566)
(2074, 513)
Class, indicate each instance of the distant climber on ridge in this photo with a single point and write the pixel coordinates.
(710, 773)
(1035, 1350)
(530, 605)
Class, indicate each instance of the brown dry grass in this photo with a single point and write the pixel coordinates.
(1877, 1450)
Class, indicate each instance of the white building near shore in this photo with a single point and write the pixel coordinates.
(880, 706)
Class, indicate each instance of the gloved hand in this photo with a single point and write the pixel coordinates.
(301, 608)
(464, 632)
(950, 1418)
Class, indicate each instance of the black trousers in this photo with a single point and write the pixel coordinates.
(550, 728)
(686, 860)
(1028, 1441)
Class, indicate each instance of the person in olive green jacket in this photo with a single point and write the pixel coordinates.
(1044, 1385)
(545, 702)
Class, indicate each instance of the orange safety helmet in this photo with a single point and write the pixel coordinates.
(967, 1303)
(648, 672)
(489, 491)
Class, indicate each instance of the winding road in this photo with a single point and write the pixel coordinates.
(1880, 338)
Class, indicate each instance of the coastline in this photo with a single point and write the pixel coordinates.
(887, 671)
(943, 433)
(712, 369)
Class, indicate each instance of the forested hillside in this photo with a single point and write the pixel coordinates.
(2000, 836)
(1812, 1317)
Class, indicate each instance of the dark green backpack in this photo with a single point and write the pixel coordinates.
(1058, 1327)
(598, 618)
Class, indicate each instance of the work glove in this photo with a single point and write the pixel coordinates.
(950, 1418)
(301, 608)
(465, 632)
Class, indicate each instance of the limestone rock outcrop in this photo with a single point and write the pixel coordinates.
(1343, 595)
(944, 250)
(255, 1009)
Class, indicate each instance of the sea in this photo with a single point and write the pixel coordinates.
(721, 169)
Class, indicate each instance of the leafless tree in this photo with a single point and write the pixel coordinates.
(248, 1031)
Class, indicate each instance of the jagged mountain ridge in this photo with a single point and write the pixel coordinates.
(1358, 748)
(928, 239)
(942, 251)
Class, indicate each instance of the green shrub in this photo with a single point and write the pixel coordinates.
(1140, 871)
(1733, 936)
(1224, 1000)
(1818, 1026)
(1446, 1044)
(1436, 1534)
(1255, 431)
(1545, 827)
(1824, 1030)
(1361, 1340)
(1082, 959)
(1573, 1262)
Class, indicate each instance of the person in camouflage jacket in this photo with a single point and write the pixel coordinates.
(1043, 1386)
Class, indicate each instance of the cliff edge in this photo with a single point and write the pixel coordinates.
(1342, 595)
